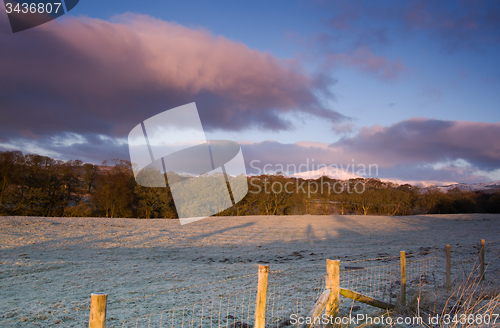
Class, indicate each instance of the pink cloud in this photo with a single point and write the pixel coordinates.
(430, 93)
(490, 80)
(467, 24)
(363, 59)
(87, 75)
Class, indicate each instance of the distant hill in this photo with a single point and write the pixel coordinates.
(330, 172)
(444, 186)
(492, 186)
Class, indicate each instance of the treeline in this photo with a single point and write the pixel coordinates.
(280, 195)
(41, 186)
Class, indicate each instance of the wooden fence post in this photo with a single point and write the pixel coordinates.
(333, 284)
(260, 306)
(482, 259)
(98, 310)
(402, 256)
(448, 267)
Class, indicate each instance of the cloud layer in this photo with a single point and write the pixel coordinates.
(412, 149)
(415, 149)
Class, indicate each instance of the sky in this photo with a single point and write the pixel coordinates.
(411, 87)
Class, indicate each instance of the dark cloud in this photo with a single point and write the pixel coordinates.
(89, 148)
(419, 141)
(94, 77)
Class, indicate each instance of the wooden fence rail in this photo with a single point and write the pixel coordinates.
(317, 309)
(366, 299)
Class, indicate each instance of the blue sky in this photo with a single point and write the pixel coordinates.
(331, 75)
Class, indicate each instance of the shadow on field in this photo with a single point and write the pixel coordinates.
(221, 231)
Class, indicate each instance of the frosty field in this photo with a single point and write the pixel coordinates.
(50, 266)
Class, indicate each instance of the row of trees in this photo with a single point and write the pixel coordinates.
(42, 186)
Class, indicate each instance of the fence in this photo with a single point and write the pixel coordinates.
(387, 279)
(274, 298)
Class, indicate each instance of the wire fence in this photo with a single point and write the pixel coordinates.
(294, 292)
(235, 310)
(289, 296)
